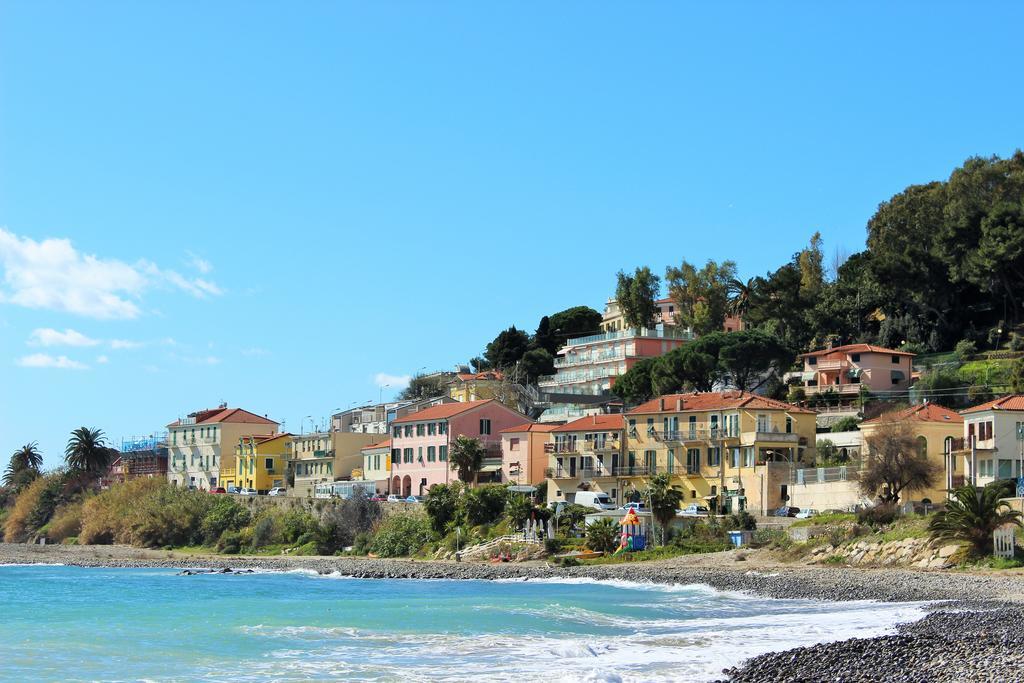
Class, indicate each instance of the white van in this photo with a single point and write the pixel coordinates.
(594, 499)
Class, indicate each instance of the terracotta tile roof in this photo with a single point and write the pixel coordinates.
(232, 415)
(593, 423)
(380, 444)
(530, 427)
(858, 348)
(713, 400)
(442, 412)
(1011, 402)
(486, 374)
(926, 412)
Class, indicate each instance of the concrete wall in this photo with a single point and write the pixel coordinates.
(830, 495)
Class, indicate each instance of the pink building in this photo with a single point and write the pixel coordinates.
(845, 369)
(420, 442)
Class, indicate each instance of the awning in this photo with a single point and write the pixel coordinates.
(807, 376)
(489, 468)
(523, 489)
(898, 375)
(853, 373)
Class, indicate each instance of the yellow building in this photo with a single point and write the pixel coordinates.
(259, 463)
(728, 450)
(376, 465)
(322, 457)
(935, 428)
(200, 447)
(490, 384)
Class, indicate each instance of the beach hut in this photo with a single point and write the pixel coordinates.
(633, 533)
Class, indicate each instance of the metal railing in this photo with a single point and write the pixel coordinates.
(588, 359)
(669, 333)
(635, 470)
(821, 475)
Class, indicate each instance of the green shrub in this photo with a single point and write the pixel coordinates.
(224, 515)
(400, 535)
(344, 521)
(230, 542)
(308, 537)
(146, 512)
(691, 545)
(297, 523)
(362, 543)
(1016, 342)
(517, 509)
(877, 516)
(964, 349)
(66, 523)
(265, 532)
(552, 546)
(443, 505)
(740, 521)
(485, 504)
(16, 526)
(603, 535)
(771, 538)
(845, 424)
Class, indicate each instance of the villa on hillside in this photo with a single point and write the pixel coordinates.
(421, 441)
(846, 370)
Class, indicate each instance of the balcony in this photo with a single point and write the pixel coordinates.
(775, 435)
(846, 389)
(669, 333)
(596, 473)
(602, 445)
(701, 432)
(574, 377)
(588, 359)
(829, 365)
(636, 470)
(559, 473)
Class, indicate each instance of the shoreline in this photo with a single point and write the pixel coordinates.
(974, 631)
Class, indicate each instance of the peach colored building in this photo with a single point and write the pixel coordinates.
(524, 456)
(420, 442)
(845, 369)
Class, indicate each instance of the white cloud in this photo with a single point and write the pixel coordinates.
(44, 360)
(118, 344)
(52, 274)
(102, 360)
(46, 336)
(255, 351)
(199, 263)
(382, 379)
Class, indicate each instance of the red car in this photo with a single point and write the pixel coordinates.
(379, 498)
(219, 489)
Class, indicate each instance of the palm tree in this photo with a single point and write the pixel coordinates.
(24, 465)
(602, 535)
(87, 451)
(972, 514)
(664, 499)
(466, 455)
(740, 295)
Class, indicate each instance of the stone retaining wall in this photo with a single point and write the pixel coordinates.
(910, 552)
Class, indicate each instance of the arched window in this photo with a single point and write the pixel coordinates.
(947, 445)
(922, 446)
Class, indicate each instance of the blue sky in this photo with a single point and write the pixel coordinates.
(272, 204)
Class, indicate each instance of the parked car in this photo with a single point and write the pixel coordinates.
(232, 489)
(594, 499)
(277, 491)
(693, 510)
(416, 499)
(247, 492)
(395, 499)
(786, 511)
(218, 489)
(807, 513)
(633, 506)
(378, 498)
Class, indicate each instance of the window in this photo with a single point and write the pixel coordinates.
(896, 360)
(396, 455)
(419, 454)
(421, 429)
(671, 460)
(485, 426)
(442, 453)
(651, 461)
(268, 463)
(431, 454)
(735, 461)
(396, 431)
(812, 360)
(922, 447)
(432, 429)
(789, 424)
(748, 456)
(407, 455)
(442, 427)
(855, 357)
(513, 444)
(692, 426)
(715, 456)
(692, 460)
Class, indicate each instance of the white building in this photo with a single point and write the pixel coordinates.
(197, 444)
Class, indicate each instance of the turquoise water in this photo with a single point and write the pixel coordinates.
(66, 623)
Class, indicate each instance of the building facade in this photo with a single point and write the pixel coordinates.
(323, 457)
(524, 454)
(728, 450)
(420, 442)
(375, 418)
(260, 463)
(199, 444)
(847, 370)
(996, 431)
(377, 465)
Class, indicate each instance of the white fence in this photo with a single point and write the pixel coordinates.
(1002, 541)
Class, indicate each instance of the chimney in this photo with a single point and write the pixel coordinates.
(594, 416)
(679, 404)
(662, 402)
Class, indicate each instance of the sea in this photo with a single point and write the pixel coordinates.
(76, 624)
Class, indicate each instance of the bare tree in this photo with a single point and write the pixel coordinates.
(839, 256)
(895, 463)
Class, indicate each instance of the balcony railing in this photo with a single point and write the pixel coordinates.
(668, 333)
(775, 434)
(820, 475)
(848, 388)
(635, 470)
(579, 376)
(595, 472)
(701, 432)
(588, 359)
(829, 365)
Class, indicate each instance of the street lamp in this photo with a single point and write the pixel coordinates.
(380, 393)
